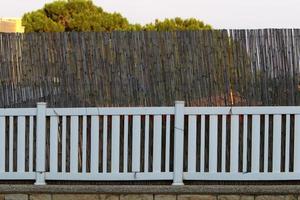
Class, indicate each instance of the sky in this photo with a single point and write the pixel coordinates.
(221, 14)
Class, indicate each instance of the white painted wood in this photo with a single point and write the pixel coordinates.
(11, 143)
(213, 138)
(266, 145)
(125, 143)
(21, 145)
(114, 111)
(2, 144)
(74, 145)
(53, 143)
(223, 161)
(105, 124)
(168, 129)
(115, 150)
(157, 138)
(287, 142)
(178, 143)
(276, 143)
(136, 143)
(146, 156)
(84, 143)
(202, 145)
(94, 144)
(64, 143)
(253, 110)
(245, 142)
(255, 143)
(234, 142)
(296, 144)
(192, 142)
(31, 128)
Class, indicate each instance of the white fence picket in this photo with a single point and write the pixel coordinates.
(157, 139)
(245, 142)
(64, 144)
(266, 144)
(287, 142)
(297, 147)
(74, 145)
(125, 143)
(255, 143)
(202, 144)
(11, 143)
(94, 144)
(168, 135)
(105, 144)
(234, 144)
(2, 144)
(192, 143)
(53, 143)
(213, 138)
(146, 155)
(31, 144)
(84, 143)
(115, 143)
(136, 143)
(276, 143)
(223, 159)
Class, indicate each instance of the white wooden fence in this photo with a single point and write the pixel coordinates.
(150, 143)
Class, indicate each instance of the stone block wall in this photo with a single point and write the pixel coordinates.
(144, 197)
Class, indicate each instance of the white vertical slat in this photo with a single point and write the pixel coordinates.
(21, 145)
(157, 136)
(276, 143)
(202, 145)
(11, 143)
(146, 143)
(84, 143)
(266, 145)
(192, 142)
(296, 144)
(223, 143)
(2, 144)
(255, 143)
(213, 141)
(104, 144)
(234, 143)
(94, 144)
(287, 143)
(31, 144)
(64, 143)
(136, 143)
(245, 142)
(168, 129)
(74, 145)
(125, 143)
(115, 150)
(53, 143)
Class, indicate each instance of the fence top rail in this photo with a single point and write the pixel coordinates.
(111, 111)
(247, 110)
(17, 112)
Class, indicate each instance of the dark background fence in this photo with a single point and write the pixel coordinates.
(204, 68)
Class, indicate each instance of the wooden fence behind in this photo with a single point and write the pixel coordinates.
(203, 68)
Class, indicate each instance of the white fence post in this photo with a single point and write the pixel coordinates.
(40, 143)
(178, 143)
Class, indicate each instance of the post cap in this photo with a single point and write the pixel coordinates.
(179, 102)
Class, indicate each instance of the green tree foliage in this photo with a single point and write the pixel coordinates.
(177, 24)
(83, 15)
(73, 15)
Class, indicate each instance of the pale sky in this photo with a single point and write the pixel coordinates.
(226, 14)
